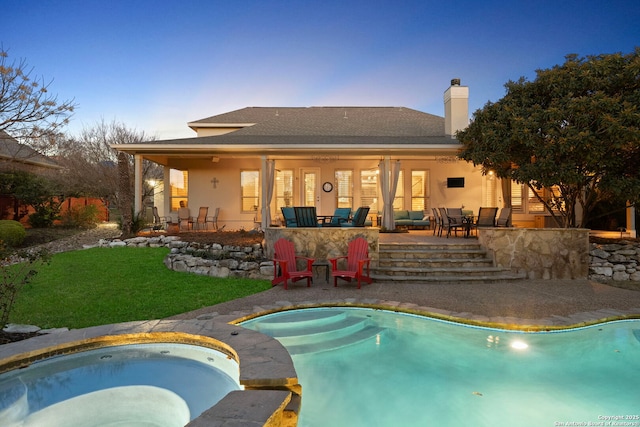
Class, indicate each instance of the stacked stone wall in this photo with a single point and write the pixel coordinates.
(206, 259)
(618, 262)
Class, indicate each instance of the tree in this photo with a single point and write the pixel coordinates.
(27, 111)
(91, 165)
(574, 129)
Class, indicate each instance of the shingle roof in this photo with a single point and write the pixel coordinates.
(330, 121)
(11, 149)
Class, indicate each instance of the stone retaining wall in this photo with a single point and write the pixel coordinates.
(207, 260)
(540, 253)
(618, 262)
(323, 243)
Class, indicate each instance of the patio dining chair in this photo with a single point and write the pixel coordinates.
(486, 218)
(285, 265)
(159, 222)
(201, 220)
(357, 263)
(184, 219)
(213, 220)
(504, 219)
(437, 227)
(450, 223)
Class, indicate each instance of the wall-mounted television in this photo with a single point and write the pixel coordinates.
(455, 182)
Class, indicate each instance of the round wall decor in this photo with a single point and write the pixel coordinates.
(327, 187)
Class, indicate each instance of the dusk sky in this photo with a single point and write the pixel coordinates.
(156, 65)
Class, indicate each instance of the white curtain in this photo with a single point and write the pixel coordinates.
(268, 179)
(389, 175)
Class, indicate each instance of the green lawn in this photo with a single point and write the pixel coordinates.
(110, 285)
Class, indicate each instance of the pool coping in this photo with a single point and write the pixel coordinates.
(551, 323)
(265, 367)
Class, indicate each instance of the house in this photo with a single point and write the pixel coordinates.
(327, 157)
(15, 156)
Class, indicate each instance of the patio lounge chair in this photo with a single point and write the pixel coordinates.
(306, 216)
(285, 264)
(357, 263)
(289, 216)
(358, 218)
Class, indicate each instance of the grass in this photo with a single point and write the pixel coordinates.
(110, 285)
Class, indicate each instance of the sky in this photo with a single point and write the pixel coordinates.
(156, 65)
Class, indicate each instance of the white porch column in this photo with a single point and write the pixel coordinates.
(137, 187)
(631, 221)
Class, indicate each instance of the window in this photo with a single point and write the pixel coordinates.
(344, 188)
(179, 188)
(531, 203)
(398, 201)
(250, 189)
(284, 189)
(419, 190)
(369, 189)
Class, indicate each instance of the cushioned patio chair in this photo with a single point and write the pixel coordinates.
(285, 264)
(289, 216)
(358, 218)
(306, 216)
(357, 263)
(340, 215)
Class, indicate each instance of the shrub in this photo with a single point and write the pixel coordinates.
(12, 233)
(81, 217)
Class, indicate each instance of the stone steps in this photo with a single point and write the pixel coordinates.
(438, 263)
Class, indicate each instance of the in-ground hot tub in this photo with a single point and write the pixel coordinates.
(163, 384)
(157, 373)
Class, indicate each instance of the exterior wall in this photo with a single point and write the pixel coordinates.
(545, 253)
(226, 195)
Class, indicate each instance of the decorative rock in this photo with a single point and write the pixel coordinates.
(620, 276)
(14, 328)
(117, 243)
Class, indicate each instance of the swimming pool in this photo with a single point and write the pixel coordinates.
(365, 367)
(162, 384)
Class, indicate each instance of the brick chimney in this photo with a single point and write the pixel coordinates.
(456, 108)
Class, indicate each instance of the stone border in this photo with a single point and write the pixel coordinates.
(617, 261)
(266, 368)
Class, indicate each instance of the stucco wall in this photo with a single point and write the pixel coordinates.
(322, 243)
(540, 253)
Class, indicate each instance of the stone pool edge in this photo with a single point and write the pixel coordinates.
(272, 395)
(551, 323)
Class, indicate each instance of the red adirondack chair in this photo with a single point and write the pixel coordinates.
(357, 260)
(285, 264)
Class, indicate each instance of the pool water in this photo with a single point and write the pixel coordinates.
(141, 384)
(363, 367)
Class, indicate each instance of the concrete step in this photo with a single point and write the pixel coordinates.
(451, 279)
(434, 263)
(439, 271)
